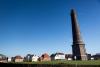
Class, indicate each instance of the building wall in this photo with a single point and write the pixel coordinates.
(9, 59)
(18, 60)
(59, 57)
(35, 58)
(46, 59)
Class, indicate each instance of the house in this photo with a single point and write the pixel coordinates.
(58, 56)
(28, 58)
(31, 58)
(96, 56)
(89, 56)
(9, 59)
(92, 58)
(68, 56)
(44, 57)
(34, 58)
(12, 59)
(3, 58)
(18, 58)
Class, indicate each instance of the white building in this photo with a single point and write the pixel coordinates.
(92, 58)
(58, 56)
(35, 58)
(9, 59)
(69, 58)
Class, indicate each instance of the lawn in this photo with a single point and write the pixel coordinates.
(90, 62)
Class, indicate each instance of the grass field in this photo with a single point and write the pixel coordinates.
(90, 62)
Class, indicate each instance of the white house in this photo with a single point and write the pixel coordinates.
(58, 56)
(92, 58)
(35, 58)
(69, 58)
(9, 59)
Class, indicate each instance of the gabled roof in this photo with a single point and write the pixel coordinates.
(2, 55)
(57, 54)
(45, 55)
(18, 57)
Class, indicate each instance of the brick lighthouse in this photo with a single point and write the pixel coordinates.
(78, 46)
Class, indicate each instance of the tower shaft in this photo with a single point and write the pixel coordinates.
(78, 47)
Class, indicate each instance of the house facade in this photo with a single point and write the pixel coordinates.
(69, 56)
(31, 58)
(3, 58)
(18, 59)
(35, 58)
(45, 57)
(58, 56)
(28, 58)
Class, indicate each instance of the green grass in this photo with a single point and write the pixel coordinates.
(90, 62)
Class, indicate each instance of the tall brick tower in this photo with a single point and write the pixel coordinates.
(78, 46)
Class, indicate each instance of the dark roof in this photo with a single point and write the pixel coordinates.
(57, 54)
(97, 53)
(2, 55)
(68, 55)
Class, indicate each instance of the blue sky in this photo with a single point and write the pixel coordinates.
(44, 26)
